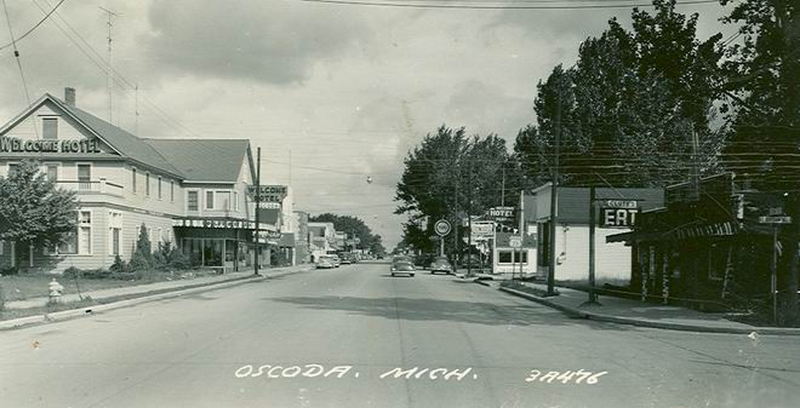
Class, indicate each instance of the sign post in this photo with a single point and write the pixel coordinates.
(442, 228)
(515, 243)
(775, 221)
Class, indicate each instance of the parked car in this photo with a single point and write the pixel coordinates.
(325, 262)
(336, 260)
(441, 264)
(346, 259)
(402, 266)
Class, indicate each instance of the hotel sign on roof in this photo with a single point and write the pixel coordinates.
(15, 145)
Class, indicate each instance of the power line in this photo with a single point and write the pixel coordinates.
(97, 59)
(19, 62)
(35, 26)
(465, 6)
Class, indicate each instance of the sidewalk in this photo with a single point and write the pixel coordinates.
(163, 286)
(626, 311)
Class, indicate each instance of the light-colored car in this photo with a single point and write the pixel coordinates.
(441, 264)
(336, 260)
(325, 262)
(402, 266)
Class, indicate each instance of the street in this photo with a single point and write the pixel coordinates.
(356, 337)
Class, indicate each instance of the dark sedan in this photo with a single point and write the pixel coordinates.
(402, 267)
(441, 264)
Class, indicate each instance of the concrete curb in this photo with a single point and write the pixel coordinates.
(171, 293)
(574, 312)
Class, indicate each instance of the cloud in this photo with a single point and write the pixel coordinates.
(267, 41)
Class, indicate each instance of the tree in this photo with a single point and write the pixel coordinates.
(764, 94)
(447, 176)
(142, 258)
(629, 107)
(33, 211)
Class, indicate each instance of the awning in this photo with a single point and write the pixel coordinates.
(719, 229)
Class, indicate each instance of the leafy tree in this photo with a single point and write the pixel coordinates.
(764, 96)
(32, 210)
(629, 107)
(447, 176)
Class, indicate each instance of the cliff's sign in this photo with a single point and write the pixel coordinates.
(15, 145)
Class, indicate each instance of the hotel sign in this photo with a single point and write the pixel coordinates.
(268, 193)
(15, 145)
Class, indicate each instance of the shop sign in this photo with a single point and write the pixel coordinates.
(613, 217)
(775, 220)
(630, 204)
(482, 231)
(274, 193)
(214, 223)
(501, 213)
(515, 242)
(15, 145)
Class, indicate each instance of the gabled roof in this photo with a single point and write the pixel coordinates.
(208, 160)
(120, 140)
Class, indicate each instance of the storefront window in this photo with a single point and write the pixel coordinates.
(504, 257)
(212, 252)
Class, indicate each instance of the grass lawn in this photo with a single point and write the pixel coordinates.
(26, 286)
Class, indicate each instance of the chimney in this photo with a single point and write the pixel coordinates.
(69, 96)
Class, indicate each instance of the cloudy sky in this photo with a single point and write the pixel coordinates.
(331, 93)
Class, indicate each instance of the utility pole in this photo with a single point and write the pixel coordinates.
(109, 72)
(258, 205)
(469, 221)
(551, 273)
(592, 221)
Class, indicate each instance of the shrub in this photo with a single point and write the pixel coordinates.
(11, 270)
(73, 273)
(119, 266)
(142, 259)
(99, 273)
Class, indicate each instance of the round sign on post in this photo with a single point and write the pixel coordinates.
(515, 242)
(442, 227)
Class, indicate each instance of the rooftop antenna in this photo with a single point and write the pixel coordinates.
(109, 83)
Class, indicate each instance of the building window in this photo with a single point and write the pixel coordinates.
(223, 200)
(114, 233)
(236, 201)
(171, 191)
(159, 187)
(504, 257)
(133, 180)
(69, 243)
(52, 172)
(147, 184)
(192, 201)
(12, 167)
(85, 233)
(209, 200)
(85, 177)
(521, 256)
(50, 128)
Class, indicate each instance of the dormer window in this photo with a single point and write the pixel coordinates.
(50, 128)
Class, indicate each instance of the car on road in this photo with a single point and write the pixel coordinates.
(336, 260)
(441, 264)
(346, 260)
(325, 262)
(402, 265)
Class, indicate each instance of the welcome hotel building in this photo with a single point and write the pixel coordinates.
(191, 192)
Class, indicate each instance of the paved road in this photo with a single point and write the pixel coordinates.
(337, 336)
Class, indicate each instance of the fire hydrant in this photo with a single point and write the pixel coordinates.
(55, 291)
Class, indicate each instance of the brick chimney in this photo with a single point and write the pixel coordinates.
(69, 96)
